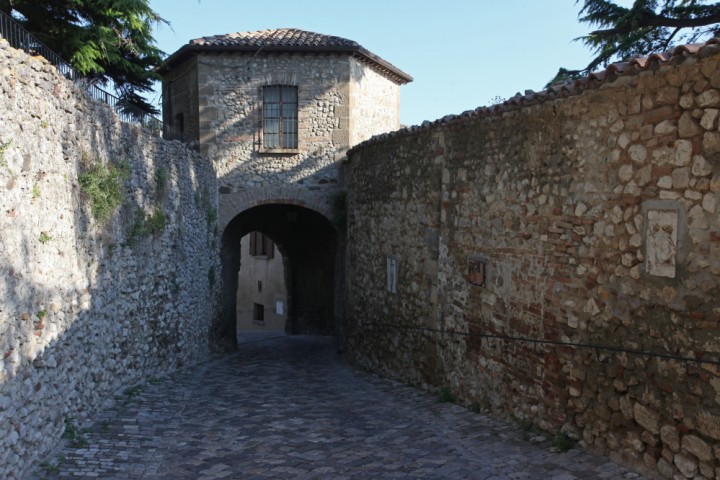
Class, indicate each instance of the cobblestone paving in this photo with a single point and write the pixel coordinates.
(288, 407)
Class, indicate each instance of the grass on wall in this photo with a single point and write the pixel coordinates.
(146, 225)
(103, 184)
(4, 148)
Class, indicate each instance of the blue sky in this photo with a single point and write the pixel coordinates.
(461, 53)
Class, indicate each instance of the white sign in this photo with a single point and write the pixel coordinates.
(279, 307)
(392, 273)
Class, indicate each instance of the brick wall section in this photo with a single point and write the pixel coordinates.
(596, 216)
(88, 310)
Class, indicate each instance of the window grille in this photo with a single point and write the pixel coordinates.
(280, 117)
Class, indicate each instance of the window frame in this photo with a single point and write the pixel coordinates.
(287, 115)
(261, 246)
(259, 313)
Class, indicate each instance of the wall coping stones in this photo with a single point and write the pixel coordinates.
(595, 80)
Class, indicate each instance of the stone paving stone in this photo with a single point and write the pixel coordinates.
(288, 407)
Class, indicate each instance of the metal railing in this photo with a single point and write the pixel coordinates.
(21, 39)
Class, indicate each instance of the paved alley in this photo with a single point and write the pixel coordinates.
(288, 407)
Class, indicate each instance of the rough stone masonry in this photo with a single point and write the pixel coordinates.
(556, 259)
(89, 307)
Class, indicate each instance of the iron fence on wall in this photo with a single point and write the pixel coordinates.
(21, 39)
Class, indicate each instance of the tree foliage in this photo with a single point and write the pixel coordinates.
(648, 26)
(107, 41)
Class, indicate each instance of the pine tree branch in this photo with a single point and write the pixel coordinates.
(657, 21)
(668, 40)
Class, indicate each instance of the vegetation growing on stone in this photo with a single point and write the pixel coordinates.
(103, 184)
(155, 222)
(44, 237)
(51, 467)
(445, 395)
(133, 391)
(203, 201)
(211, 215)
(146, 224)
(75, 435)
(3, 148)
(161, 179)
(562, 442)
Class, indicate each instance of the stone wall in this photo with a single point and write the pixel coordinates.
(230, 111)
(374, 103)
(89, 308)
(557, 260)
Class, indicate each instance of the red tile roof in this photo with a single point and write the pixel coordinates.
(283, 37)
(571, 88)
(286, 40)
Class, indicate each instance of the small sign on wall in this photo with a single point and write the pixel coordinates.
(476, 271)
(279, 307)
(392, 274)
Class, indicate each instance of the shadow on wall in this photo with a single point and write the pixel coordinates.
(239, 163)
(88, 308)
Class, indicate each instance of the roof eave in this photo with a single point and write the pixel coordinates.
(401, 76)
(188, 49)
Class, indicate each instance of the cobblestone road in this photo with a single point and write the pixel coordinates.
(287, 407)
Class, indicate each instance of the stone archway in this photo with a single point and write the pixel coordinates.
(309, 245)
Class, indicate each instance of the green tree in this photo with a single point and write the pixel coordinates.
(107, 41)
(648, 26)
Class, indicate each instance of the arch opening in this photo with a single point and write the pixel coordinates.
(308, 244)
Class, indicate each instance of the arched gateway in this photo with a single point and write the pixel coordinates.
(276, 111)
(309, 244)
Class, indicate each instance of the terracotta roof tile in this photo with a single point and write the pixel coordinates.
(561, 90)
(283, 37)
(287, 40)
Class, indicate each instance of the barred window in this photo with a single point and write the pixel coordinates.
(280, 117)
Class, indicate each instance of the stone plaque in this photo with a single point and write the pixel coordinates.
(661, 242)
(392, 273)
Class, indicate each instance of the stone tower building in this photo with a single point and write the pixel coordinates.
(276, 111)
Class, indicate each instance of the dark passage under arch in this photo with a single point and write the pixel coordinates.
(308, 243)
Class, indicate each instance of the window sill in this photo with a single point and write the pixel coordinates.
(279, 151)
